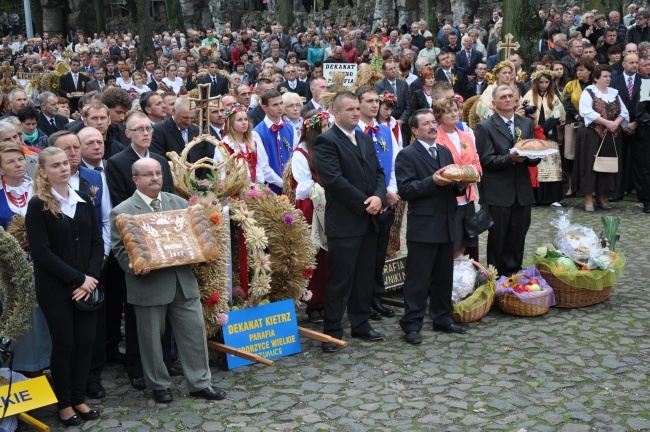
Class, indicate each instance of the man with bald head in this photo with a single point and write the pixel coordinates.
(175, 297)
(175, 132)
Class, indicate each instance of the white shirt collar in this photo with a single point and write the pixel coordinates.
(146, 153)
(506, 120)
(626, 76)
(148, 200)
(427, 146)
(268, 122)
(69, 206)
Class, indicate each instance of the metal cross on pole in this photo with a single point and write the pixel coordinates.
(202, 103)
(508, 45)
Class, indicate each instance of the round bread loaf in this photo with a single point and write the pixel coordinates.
(462, 173)
(533, 144)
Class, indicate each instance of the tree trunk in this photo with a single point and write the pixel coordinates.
(174, 15)
(521, 20)
(145, 27)
(99, 15)
(285, 11)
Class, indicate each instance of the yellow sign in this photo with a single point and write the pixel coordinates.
(27, 76)
(26, 396)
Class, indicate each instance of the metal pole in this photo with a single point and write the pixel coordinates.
(28, 19)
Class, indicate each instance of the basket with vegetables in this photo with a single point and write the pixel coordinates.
(525, 294)
(473, 290)
(580, 266)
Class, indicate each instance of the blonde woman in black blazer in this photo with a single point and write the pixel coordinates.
(68, 251)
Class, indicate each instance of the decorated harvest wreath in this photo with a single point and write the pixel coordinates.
(279, 256)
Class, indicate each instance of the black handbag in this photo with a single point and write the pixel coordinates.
(93, 303)
(480, 221)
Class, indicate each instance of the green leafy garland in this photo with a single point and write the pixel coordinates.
(17, 278)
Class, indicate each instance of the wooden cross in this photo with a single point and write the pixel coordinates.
(508, 46)
(377, 45)
(202, 103)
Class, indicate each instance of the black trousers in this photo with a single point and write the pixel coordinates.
(385, 223)
(73, 336)
(507, 237)
(115, 297)
(429, 272)
(351, 262)
(99, 349)
(640, 154)
(624, 177)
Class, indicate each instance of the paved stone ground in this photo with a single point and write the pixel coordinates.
(570, 370)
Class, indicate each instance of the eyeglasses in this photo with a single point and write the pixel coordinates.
(141, 129)
(152, 174)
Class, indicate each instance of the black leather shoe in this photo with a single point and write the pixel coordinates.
(210, 393)
(413, 337)
(383, 310)
(75, 420)
(138, 383)
(163, 396)
(95, 390)
(87, 416)
(116, 357)
(451, 328)
(374, 315)
(369, 336)
(329, 347)
(615, 198)
(646, 208)
(175, 371)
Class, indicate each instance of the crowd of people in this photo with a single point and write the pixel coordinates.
(96, 145)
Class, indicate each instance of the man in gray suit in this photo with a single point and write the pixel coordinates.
(170, 292)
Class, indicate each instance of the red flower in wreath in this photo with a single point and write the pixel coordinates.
(214, 299)
(308, 273)
(215, 218)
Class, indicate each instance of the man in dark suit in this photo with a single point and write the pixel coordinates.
(478, 85)
(73, 84)
(468, 57)
(507, 188)
(355, 191)
(98, 83)
(446, 72)
(48, 121)
(560, 48)
(430, 229)
(628, 84)
(158, 75)
(317, 86)
(390, 84)
(292, 83)
(219, 84)
(121, 186)
(175, 132)
(257, 114)
(175, 297)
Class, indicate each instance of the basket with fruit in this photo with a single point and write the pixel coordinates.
(581, 280)
(525, 294)
(475, 304)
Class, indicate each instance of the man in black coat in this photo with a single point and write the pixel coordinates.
(158, 75)
(219, 83)
(257, 114)
(629, 75)
(48, 121)
(72, 84)
(390, 84)
(355, 190)
(292, 83)
(478, 85)
(446, 72)
(430, 229)
(175, 132)
(507, 188)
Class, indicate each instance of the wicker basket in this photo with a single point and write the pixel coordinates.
(511, 304)
(481, 311)
(567, 296)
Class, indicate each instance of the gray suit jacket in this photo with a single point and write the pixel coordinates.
(158, 287)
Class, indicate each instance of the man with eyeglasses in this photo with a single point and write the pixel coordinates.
(176, 295)
(292, 83)
(174, 133)
(640, 31)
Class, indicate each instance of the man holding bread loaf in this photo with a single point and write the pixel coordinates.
(430, 228)
(168, 292)
(507, 188)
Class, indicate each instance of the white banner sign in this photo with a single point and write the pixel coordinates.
(349, 69)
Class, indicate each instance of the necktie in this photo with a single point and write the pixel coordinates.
(184, 135)
(371, 129)
(214, 81)
(509, 124)
(156, 205)
(52, 122)
(74, 78)
(276, 127)
(99, 168)
(469, 56)
(292, 85)
(434, 152)
(478, 88)
(394, 86)
(448, 73)
(630, 87)
(353, 138)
